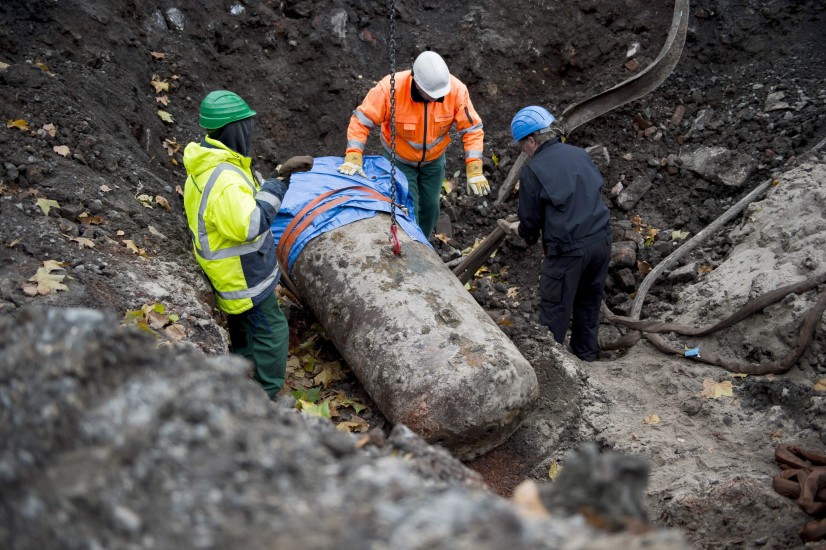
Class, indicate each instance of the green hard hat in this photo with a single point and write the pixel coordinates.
(221, 107)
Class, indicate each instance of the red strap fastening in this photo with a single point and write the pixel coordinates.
(394, 239)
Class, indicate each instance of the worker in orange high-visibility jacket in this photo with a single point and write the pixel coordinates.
(429, 100)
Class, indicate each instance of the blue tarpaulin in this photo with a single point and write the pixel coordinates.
(306, 186)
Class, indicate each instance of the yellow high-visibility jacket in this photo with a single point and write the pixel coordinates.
(229, 216)
(421, 126)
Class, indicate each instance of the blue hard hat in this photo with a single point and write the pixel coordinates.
(529, 120)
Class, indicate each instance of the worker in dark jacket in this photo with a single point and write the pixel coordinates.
(229, 214)
(559, 197)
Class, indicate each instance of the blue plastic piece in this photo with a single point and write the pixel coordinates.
(693, 352)
(305, 186)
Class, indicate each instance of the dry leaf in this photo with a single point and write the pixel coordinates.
(45, 281)
(159, 85)
(820, 385)
(554, 469)
(120, 232)
(448, 186)
(105, 188)
(163, 202)
(157, 55)
(644, 267)
(83, 241)
(355, 424)
(86, 219)
(512, 292)
(179, 190)
(145, 200)
(134, 248)
(716, 390)
(42, 66)
(50, 129)
(166, 117)
(61, 150)
(652, 419)
(705, 268)
(171, 145)
(175, 332)
(162, 99)
(20, 124)
(46, 205)
(330, 372)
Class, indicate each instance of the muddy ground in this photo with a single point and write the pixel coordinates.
(750, 83)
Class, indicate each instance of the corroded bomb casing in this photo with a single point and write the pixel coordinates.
(425, 351)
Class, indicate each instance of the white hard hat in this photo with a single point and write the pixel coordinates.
(431, 74)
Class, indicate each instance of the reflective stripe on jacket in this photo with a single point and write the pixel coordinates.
(229, 218)
(421, 127)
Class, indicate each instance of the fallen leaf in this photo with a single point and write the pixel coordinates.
(716, 390)
(705, 268)
(820, 385)
(46, 282)
(157, 55)
(678, 235)
(134, 248)
(322, 409)
(120, 233)
(20, 124)
(105, 188)
(83, 242)
(355, 424)
(46, 205)
(554, 469)
(330, 372)
(310, 395)
(61, 150)
(179, 190)
(87, 219)
(166, 117)
(777, 434)
(50, 129)
(175, 332)
(42, 66)
(512, 292)
(644, 267)
(652, 419)
(448, 186)
(145, 200)
(171, 145)
(163, 100)
(159, 85)
(163, 202)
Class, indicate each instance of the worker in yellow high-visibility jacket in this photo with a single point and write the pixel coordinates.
(229, 214)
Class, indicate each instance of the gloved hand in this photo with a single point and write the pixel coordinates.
(510, 225)
(352, 165)
(295, 164)
(476, 182)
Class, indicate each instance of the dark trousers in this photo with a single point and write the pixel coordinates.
(575, 284)
(425, 186)
(261, 335)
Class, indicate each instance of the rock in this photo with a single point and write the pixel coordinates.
(718, 164)
(599, 154)
(623, 254)
(677, 117)
(774, 102)
(11, 171)
(609, 486)
(703, 118)
(338, 23)
(156, 22)
(175, 19)
(632, 194)
(237, 9)
(684, 274)
(625, 279)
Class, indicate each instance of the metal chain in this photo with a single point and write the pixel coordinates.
(392, 42)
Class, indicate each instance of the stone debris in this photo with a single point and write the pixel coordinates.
(718, 164)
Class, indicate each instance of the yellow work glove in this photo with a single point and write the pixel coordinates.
(476, 182)
(352, 165)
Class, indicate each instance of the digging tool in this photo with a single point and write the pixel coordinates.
(630, 90)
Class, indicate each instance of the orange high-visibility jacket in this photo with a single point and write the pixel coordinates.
(421, 127)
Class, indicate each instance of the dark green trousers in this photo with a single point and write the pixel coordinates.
(425, 184)
(261, 335)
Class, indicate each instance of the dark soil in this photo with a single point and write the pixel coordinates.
(86, 67)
